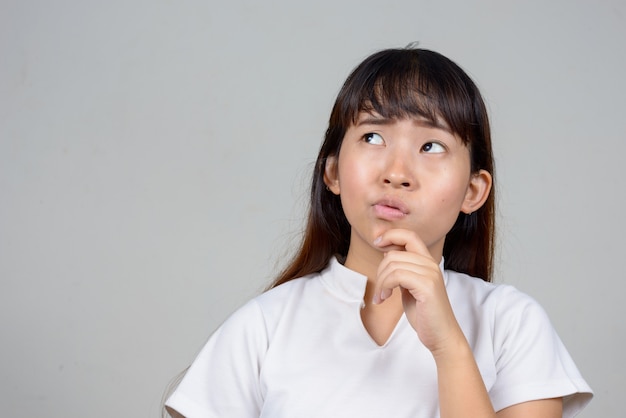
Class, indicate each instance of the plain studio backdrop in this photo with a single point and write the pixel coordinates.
(155, 158)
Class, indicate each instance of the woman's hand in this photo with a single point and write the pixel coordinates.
(408, 264)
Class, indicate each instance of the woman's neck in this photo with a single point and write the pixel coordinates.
(364, 261)
(378, 320)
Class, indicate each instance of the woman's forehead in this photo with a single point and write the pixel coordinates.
(374, 118)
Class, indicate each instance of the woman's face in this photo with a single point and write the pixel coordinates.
(403, 173)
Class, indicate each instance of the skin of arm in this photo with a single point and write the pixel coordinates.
(462, 394)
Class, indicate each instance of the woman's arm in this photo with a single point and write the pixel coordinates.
(543, 408)
(463, 394)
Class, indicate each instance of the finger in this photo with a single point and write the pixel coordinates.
(398, 273)
(401, 239)
(417, 265)
(404, 269)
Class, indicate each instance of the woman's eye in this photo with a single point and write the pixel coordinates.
(372, 138)
(433, 147)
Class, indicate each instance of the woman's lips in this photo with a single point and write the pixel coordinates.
(390, 209)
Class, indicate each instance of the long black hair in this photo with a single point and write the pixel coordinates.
(399, 83)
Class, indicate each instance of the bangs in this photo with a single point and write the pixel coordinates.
(421, 84)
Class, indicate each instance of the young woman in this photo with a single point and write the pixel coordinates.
(387, 308)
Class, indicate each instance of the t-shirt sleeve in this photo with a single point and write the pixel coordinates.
(223, 380)
(531, 361)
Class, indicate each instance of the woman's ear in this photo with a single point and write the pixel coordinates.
(477, 191)
(331, 174)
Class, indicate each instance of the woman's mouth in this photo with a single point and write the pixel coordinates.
(390, 209)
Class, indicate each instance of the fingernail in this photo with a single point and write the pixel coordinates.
(379, 298)
(378, 240)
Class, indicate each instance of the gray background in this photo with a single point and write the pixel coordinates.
(155, 155)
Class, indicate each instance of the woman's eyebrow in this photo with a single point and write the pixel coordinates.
(373, 120)
(434, 124)
(370, 119)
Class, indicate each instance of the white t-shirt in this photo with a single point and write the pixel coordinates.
(301, 350)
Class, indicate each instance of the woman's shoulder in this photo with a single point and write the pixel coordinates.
(277, 301)
(287, 291)
(258, 317)
(499, 298)
(334, 279)
(528, 357)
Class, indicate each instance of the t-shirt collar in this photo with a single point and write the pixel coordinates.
(348, 284)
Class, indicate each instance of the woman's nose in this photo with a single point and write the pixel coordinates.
(398, 171)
